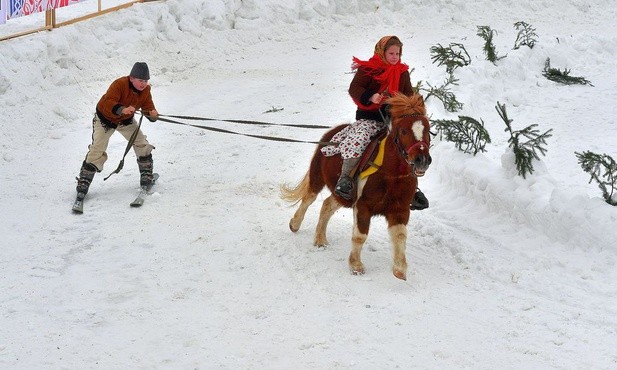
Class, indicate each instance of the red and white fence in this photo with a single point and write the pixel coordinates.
(44, 12)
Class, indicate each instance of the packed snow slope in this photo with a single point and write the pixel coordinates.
(505, 272)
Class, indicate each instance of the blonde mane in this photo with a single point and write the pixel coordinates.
(401, 104)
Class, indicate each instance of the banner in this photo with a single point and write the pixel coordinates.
(18, 8)
(2, 11)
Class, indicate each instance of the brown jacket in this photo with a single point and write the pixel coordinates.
(363, 86)
(120, 94)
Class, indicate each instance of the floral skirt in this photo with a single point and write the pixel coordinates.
(353, 139)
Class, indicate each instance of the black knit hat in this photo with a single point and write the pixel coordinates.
(140, 70)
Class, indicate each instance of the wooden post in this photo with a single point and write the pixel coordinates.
(50, 19)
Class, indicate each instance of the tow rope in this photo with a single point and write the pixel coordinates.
(161, 117)
(264, 137)
(128, 147)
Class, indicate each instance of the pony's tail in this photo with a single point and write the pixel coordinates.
(295, 194)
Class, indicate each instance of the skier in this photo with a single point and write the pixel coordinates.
(115, 112)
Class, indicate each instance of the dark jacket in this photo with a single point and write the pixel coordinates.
(363, 86)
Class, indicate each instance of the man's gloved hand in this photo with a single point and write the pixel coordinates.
(153, 115)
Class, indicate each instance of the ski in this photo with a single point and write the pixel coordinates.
(78, 206)
(145, 190)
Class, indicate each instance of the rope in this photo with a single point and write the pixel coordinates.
(128, 147)
(271, 138)
(246, 122)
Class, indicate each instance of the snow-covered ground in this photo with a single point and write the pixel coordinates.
(505, 272)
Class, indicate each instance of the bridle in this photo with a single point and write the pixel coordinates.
(404, 152)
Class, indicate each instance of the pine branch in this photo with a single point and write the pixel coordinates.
(526, 35)
(524, 151)
(562, 77)
(489, 48)
(273, 110)
(453, 56)
(603, 169)
(418, 87)
(468, 134)
(444, 94)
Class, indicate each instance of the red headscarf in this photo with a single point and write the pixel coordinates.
(388, 75)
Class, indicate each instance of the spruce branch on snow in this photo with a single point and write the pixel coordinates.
(489, 48)
(526, 35)
(443, 93)
(603, 169)
(274, 110)
(453, 56)
(524, 151)
(563, 77)
(468, 134)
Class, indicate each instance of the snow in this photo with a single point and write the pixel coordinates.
(504, 272)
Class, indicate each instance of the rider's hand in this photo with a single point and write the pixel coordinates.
(128, 110)
(376, 98)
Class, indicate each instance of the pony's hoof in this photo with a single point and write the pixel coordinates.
(320, 242)
(293, 228)
(357, 269)
(400, 274)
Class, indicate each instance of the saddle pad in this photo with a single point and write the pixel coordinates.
(377, 162)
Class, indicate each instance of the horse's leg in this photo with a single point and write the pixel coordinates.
(362, 222)
(296, 220)
(398, 236)
(328, 208)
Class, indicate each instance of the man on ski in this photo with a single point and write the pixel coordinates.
(115, 112)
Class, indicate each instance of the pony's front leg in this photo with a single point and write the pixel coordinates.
(328, 208)
(296, 220)
(398, 236)
(358, 237)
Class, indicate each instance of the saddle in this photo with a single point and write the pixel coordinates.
(372, 158)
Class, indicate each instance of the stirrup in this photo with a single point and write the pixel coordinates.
(343, 187)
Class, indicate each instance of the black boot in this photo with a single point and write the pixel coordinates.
(145, 169)
(344, 186)
(86, 174)
(419, 201)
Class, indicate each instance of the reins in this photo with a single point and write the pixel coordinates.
(195, 118)
(161, 117)
(264, 137)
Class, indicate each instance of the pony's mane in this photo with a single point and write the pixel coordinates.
(401, 104)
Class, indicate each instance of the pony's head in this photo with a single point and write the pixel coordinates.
(410, 130)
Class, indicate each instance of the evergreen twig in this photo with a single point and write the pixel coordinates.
(453, 56)
(468, 134)
(603, 169)
(489, 48)
(444, 94)
(524, 151)
(526, 35)
(563, 77)
(274, 110)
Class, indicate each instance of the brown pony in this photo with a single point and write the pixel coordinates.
(387, 192)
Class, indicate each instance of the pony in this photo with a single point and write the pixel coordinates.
(387, 192)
